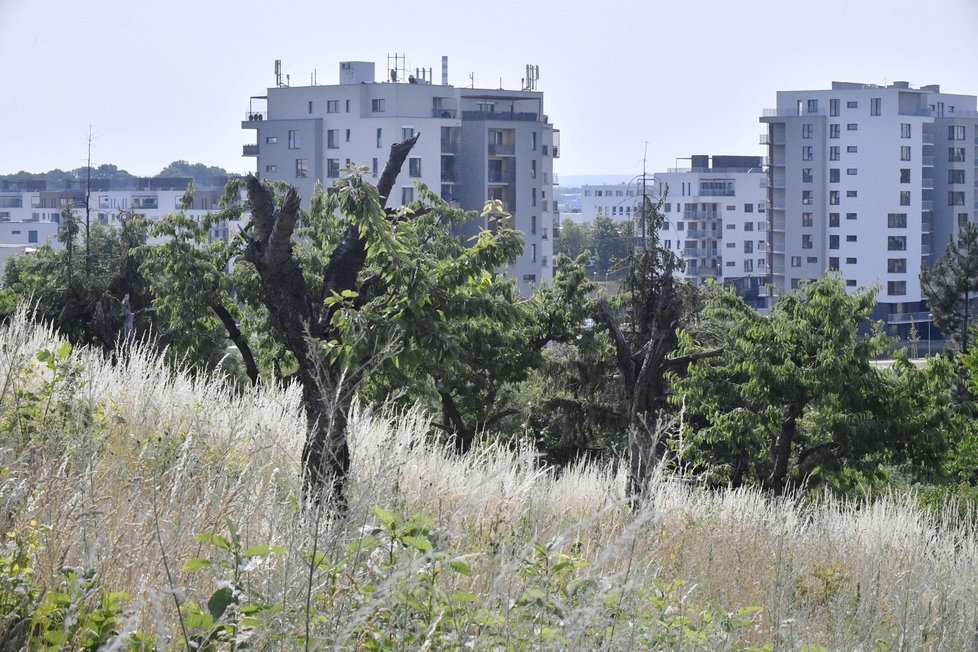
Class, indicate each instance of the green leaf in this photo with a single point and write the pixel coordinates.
(219, 601)
(461, 567)
(215, 540)
(196, 564)
(263, 550)
(387, 518)
(418, 543)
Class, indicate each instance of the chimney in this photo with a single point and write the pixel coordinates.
(444, 71)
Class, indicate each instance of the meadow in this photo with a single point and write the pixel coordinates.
(146, 508)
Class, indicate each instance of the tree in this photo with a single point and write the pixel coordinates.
(643, 328)
(950, 287)
(793, 396)
(609, 241)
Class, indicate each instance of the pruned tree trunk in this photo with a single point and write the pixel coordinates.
(327, 391)
(781, 453)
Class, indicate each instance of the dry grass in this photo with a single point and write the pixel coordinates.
(115, 469)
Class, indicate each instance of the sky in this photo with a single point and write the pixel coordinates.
(624, 81)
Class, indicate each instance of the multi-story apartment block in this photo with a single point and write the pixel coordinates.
(475, 145)
(617, 201)
(716, 221)
(871, 181)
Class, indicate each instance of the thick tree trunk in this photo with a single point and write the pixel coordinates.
(781, 453)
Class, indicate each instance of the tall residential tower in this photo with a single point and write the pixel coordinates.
(475, 145)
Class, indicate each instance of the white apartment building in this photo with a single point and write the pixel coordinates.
(872, 181)
(617, 201)
(716, 221)
(475, 145)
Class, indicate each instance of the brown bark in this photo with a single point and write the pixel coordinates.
(236, 336)
(781, 453)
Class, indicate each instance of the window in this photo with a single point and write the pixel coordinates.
(834, 175)
(414, 167)
(833, 219)
(373, 167)
(850, 216)
(347, 135)
(834, 153)
(852, 126)
(904, 152)
(533, 169)
(896, 288)
(533, 225)
(955, 198)
(310, 107)
(813, 106)
(806, 130)
(271, 140)
(378, 105)
(407, 133)
(807, 219)
(955, 154)
(748, 226)
(875, 106)
(833, 242)
(851, 238)
(807, 153)
(851, 172)
(955, 132)
(833, 107)
(301, 168)
(730, 245)
(748, 246)
(834, 131)
(749, 265)
(850, 283)
(533, 196)
(533, 253)
(806, 175)
(271, 168)
(834, 197)
(851, 261)
(32, 237)
(407, 196)
(896, 265)
(811, 260)
(896, 243)
(896, 220)
(904, 130)
(852, 104)
(293, 139)
(962, 219)
(955, 176)
(380, 137)
(852, 193)
(348, 106)
(333, 168)
(806, 197)
(332, 138)
(806, 241)
(852, 149)
(834, 264)
(904, 175)
(748, 208)
(332, 106)
(796, 261)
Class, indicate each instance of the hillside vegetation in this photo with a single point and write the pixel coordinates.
(148, 509)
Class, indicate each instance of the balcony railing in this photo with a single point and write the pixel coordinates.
(908, 317)
(501, 150)
(251, 116)
(500, 115)
(927, 161)
(249, 150)
(444, 113)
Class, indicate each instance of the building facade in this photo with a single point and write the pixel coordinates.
(475, 145)
(715, 220)
(869, 181)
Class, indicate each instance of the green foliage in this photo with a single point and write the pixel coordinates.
(606, 240)
(236, 609)
(795, 399)
(950, 286)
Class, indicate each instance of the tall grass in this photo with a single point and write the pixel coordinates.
(113, 472)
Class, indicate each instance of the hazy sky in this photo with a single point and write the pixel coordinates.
(160, 81)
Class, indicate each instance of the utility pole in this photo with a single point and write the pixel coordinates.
(88, 207)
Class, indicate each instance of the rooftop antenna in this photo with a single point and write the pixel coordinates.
(532, 77)
(397, 70)
(471, 80)
(278, 73)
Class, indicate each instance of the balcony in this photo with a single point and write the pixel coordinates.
(699, 252)
(927, 184)
(499, 149)
(701, 215)
(500, 115)
(908, 318)
(927, 161)
(249, 150)
(927, 139)
(448, 114)
(700, 233)
(927, 205)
